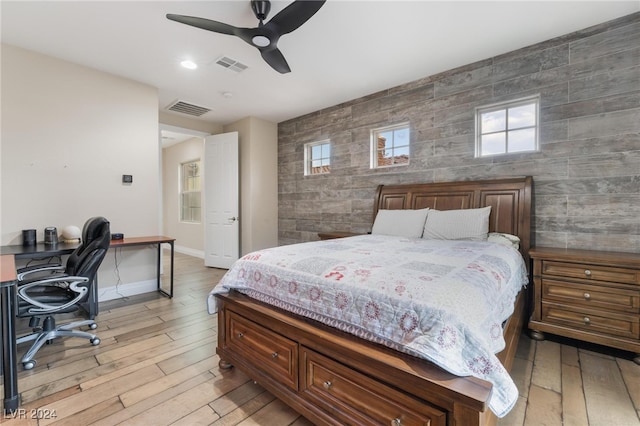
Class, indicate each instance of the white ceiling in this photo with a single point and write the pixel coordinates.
(347, 50)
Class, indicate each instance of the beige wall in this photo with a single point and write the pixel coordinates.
(189, 236)
(69, 133)
(258, 186)
(258, 183)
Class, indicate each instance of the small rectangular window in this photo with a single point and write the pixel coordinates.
(508, 127)
(317, 158)
(390, 146)
(190, 194)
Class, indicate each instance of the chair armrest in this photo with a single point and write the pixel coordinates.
(53, 267)
(40, 307)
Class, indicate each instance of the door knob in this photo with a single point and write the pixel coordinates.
(232, 219)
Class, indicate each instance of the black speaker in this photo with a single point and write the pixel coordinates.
(28, 237)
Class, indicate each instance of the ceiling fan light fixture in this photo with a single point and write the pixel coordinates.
(190, 65)
(261, 41)
(265, 36)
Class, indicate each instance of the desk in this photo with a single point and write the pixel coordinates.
(9, 351)
(41, 250)
(38, 251)
(8, 254)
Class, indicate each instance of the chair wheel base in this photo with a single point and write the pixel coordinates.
(95, 341)
(29, 365)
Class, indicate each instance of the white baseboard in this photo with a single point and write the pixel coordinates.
(131, 289)
(124, 290)
(190, 251)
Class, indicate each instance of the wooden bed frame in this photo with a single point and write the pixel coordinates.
(334, 378)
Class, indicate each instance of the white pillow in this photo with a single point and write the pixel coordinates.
(506, 239)
(402, 223)
(464, 224)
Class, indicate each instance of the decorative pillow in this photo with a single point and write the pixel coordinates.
(464, 224)
(506, 239)
(402, 223)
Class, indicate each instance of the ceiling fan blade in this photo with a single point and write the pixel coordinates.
(294, 15)
(275, 58)
(205, 24)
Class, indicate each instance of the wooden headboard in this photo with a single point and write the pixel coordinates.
(510, 201)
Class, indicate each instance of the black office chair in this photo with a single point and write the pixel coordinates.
(45, 290)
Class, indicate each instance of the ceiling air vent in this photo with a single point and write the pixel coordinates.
(187, 108)
(231, 64)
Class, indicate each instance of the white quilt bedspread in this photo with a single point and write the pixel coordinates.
(444, 301)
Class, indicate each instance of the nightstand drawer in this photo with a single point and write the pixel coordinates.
(592, 320)
(276, 352)
(588, 295)
(594, 296)
(591, 272)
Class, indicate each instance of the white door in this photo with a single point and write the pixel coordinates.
(222, 226)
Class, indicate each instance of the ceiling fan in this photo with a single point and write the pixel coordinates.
(265, 36)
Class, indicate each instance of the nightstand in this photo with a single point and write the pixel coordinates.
(587, 295)
(336, 234)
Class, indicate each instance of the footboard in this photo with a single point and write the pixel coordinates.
(333, 378)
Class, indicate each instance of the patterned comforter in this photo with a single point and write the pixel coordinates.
(444, 301)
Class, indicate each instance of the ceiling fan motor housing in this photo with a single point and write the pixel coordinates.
(261, 9)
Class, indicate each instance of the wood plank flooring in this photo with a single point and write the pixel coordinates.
(156, 365)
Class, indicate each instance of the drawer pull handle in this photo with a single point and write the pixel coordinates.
(274, 355)
(240, 335)
(396, 422)
(327, 385)
(587, 321)
(587, 296)
(587, 272)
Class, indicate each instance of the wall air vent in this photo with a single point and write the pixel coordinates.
(188, 108)
(231, 64)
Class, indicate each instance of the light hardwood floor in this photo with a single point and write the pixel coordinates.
(156, 365)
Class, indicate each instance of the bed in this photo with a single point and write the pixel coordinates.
(340, 366)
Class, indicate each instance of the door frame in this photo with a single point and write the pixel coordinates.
(175, 129)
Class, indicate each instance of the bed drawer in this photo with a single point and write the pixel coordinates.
(607, 323)
(278, 354)
(596, 296)
(591, 272)
(357, 399)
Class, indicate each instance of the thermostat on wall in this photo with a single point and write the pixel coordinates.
(127, 178)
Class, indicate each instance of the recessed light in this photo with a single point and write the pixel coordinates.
(189, 64)
(227, 95)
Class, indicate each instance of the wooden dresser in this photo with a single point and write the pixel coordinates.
(587, 295)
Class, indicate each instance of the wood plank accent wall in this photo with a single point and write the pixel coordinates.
(586, 175)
